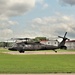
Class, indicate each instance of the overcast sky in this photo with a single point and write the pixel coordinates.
(31, 18)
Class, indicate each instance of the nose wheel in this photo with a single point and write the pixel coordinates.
(55, 51)
(21, 50)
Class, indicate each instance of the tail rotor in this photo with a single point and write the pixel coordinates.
(62, 43)
(64, 36)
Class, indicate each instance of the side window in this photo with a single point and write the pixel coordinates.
(55, 42)
(48, 42)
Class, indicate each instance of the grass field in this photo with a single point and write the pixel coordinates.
(36, 63)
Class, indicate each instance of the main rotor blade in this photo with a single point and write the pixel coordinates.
(20, 38)
(26, 38)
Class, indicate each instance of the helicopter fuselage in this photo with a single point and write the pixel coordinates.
(32, 46)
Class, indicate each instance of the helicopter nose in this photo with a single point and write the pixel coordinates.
(10, 48)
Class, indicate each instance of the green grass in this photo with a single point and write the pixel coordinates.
(36, 63)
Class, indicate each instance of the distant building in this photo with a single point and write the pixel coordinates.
(50, 42)
(70, 44)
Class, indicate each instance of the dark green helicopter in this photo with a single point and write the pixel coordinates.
(27, 45)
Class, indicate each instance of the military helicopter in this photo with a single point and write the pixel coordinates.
(27, 44)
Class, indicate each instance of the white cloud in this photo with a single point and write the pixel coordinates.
(5, 34)
(15, 7)
(12, 8)
(70, 2)
(7, 23)
(43, 3)
(53, 25)
(40, 1)
(45, 6)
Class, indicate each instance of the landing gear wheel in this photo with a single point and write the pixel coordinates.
(55, 51)
(21, 51)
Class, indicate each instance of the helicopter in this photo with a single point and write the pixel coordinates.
(27, 44)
